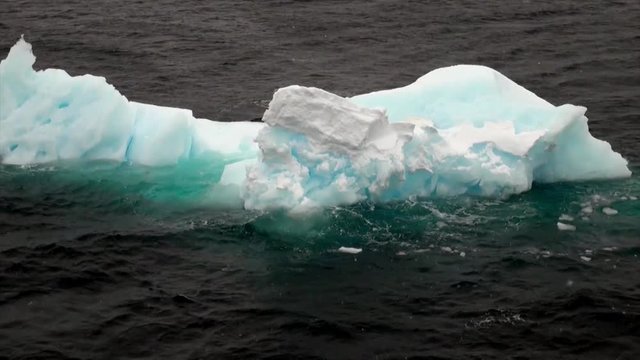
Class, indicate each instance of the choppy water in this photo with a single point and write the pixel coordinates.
(111, 261)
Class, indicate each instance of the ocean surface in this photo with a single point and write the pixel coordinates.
(112, 261)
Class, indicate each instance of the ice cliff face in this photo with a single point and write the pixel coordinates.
(457, 130)
(321, 149)
(48, 115)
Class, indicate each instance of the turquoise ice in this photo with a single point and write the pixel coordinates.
(458, 130)
(48, 116)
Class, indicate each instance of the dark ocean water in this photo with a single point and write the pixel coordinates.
(107, 261)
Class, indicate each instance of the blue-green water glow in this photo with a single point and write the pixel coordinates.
(160, 199)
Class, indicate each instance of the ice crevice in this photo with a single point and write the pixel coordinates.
(464, 129)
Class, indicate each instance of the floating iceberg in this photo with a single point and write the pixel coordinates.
(458, 130)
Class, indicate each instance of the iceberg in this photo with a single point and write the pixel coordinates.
(464, 129)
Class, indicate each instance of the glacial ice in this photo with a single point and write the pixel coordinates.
(463, 129)
(48, 116)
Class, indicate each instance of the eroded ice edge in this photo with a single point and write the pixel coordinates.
(463, 129)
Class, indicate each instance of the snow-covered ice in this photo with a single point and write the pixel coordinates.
(462, 129)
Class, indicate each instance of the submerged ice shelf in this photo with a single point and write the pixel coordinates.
(463, 129)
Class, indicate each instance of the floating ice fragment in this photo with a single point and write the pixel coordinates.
(633, 198)
(446, 249)
(585, 258)
(587, 209)
(565, 227)
(462, 254)
(609, 211)
(565, 217)
(349, 250)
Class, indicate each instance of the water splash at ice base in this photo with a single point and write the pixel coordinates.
(457, 130)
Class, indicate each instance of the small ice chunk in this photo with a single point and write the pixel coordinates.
(566, 227)
(349, 250)
(633, 198)
(609, 211)
(565, 217)
(446, 249)
(587, 209)
(462, 254)
(585, 258)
